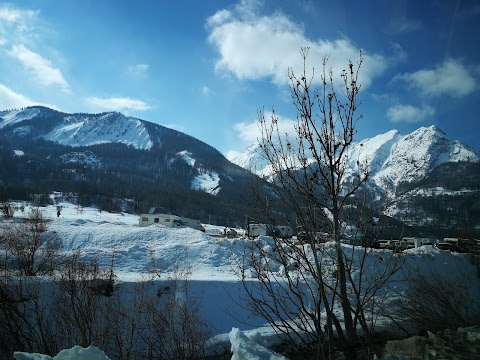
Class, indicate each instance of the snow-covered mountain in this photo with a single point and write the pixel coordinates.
(77, 130)
(394, 158)
(116, 156)
(110, 157)
(391, 157)
(429, 179)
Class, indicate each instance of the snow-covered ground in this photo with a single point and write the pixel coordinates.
(207, 257)
(209, 260)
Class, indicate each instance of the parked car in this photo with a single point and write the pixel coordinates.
(319, 236)
(230, 232)
(449, 246)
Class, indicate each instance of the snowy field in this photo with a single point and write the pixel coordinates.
(209, 261)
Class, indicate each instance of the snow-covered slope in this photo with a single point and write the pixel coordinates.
(250, 159)
(79, 129)
(206, 180)
(391, 157)
(12, 117)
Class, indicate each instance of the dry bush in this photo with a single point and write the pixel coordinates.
(81, 304)
(26, 248)
(7, 209)
(434, 302)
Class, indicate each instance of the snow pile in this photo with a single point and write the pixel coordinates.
(75, 353)
(244, 348)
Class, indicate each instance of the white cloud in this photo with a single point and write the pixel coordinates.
(206, 90)
(450, 78)
(219, 18)
(254, 47)
(10, 14)
(249, 132)
(41, 68)
(10, 99)
(118, 103)
(16, 25)
(401, 25)
(409, 113)
(138, 69)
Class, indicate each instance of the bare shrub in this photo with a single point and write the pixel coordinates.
(434, 302)
(27, 248)
(174, 328)
(7, 209)
(81, 306)
(24, 321)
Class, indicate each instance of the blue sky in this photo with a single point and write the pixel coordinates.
(207, 67)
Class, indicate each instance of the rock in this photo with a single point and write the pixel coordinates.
(472, 333)
(411, 348)
(461, 344)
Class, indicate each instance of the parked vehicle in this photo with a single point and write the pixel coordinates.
(395, 245)
(229, 232)
(319, 237)
(449, 246)
(254, 230)
(169, 220)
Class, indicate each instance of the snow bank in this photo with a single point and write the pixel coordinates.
(75, 353)
(244, 348)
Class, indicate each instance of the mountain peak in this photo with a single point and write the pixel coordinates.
(77, 129)
(392, 157)
(414, 155)
(432, 129)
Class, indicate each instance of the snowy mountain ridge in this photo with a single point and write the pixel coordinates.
(394, 158)
(391, 157)
(77, 130)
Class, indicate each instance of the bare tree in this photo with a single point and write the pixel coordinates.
(321, 296)
(25, 244)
